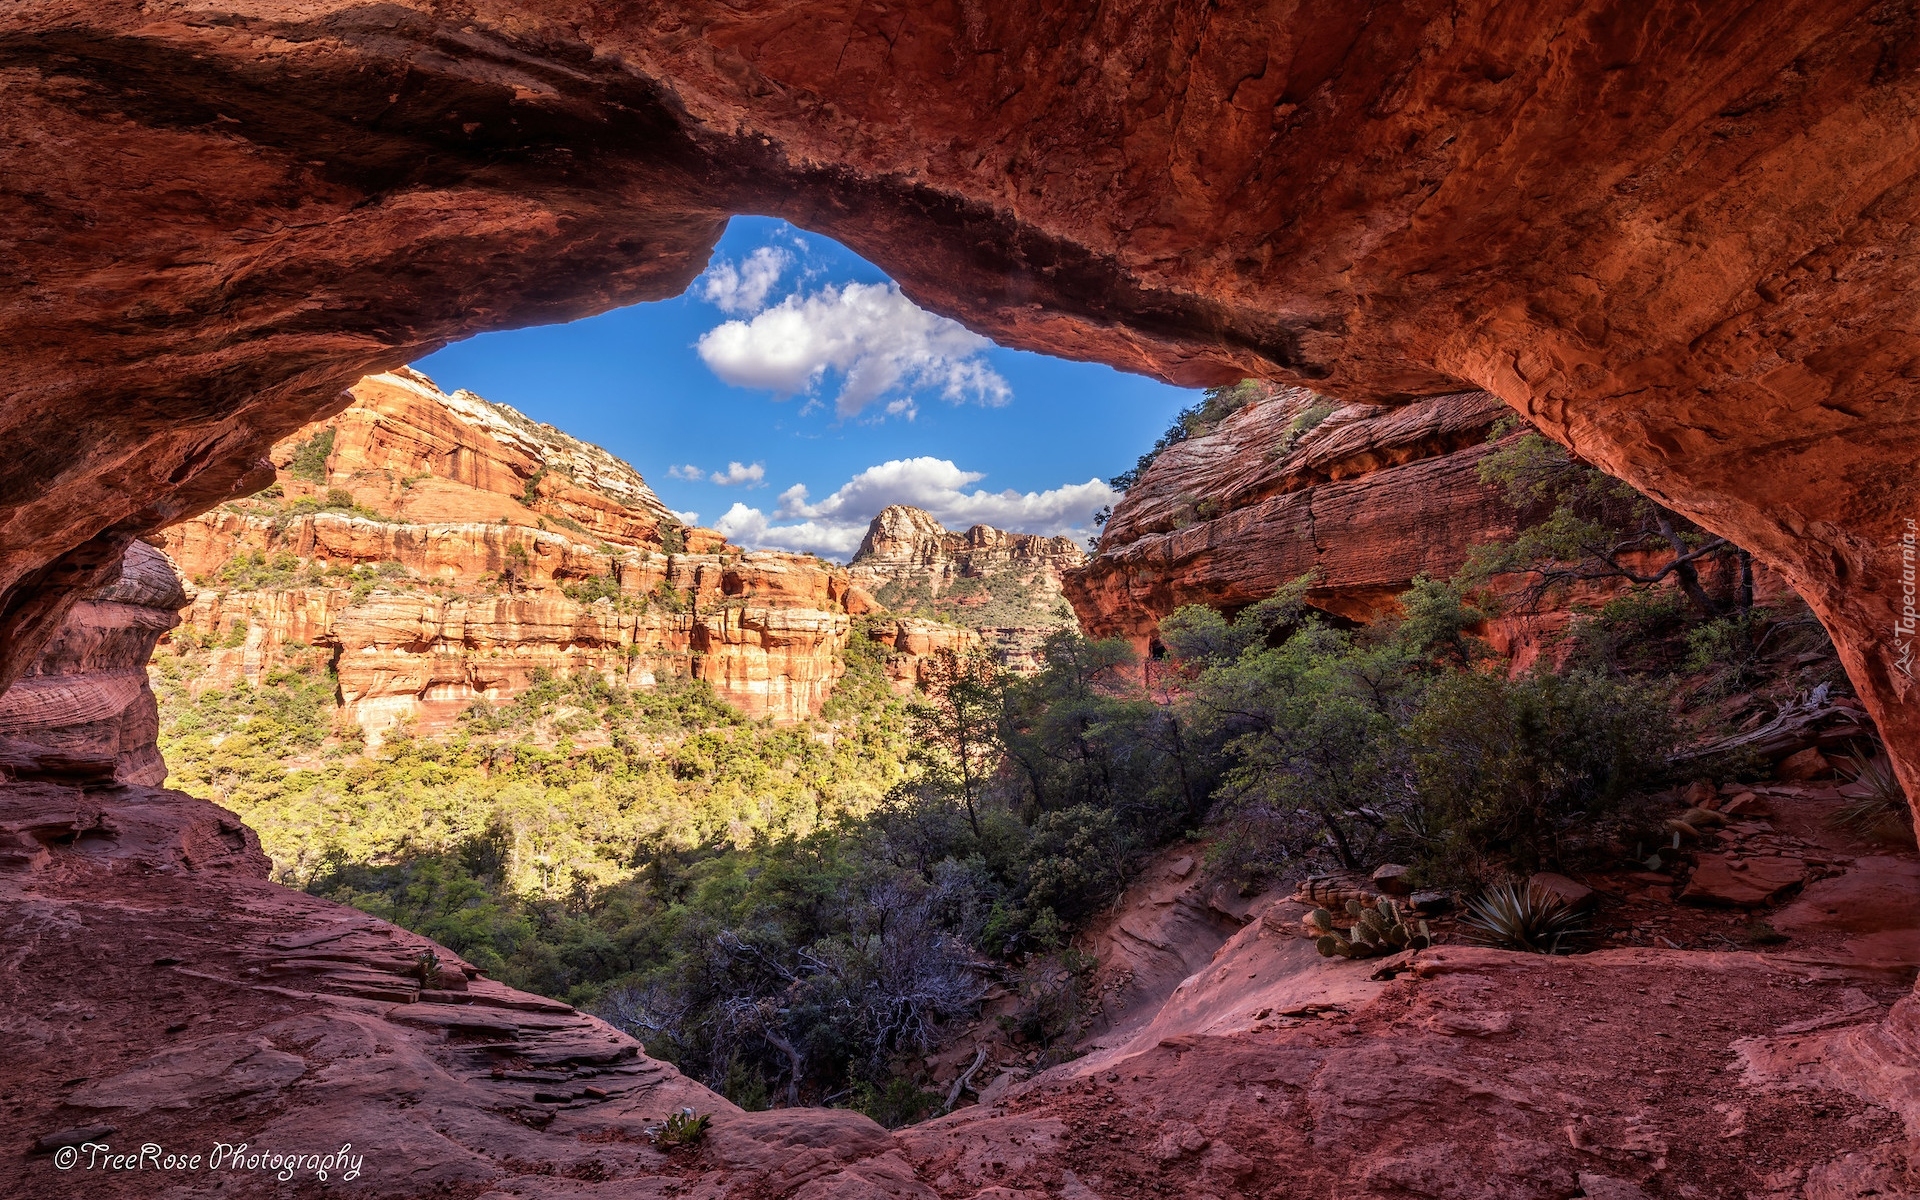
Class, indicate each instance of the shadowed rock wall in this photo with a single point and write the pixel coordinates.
(83, 711)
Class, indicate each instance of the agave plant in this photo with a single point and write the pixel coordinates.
(1875, 800)
(1513, 917)
(684, 1128)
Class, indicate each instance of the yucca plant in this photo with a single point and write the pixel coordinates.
(1513, 917)
(1876, 803)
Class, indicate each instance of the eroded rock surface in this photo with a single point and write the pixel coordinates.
(161, 991)
(84, 712)
(1365, 496)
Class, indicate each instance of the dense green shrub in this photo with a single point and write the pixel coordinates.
(309, 460)
(1530, 772)
(592, 589)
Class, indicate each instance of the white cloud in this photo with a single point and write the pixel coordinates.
(686, 518)
(736, 473)
(743, 290)
(835, 525)
(686, 471)
(879, 341)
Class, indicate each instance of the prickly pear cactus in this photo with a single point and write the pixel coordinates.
(1374, 931)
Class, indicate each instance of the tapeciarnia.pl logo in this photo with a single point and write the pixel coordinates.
(1905, 628)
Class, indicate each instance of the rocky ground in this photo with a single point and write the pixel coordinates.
(161, 991)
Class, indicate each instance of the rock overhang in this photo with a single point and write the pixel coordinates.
(1678, 240)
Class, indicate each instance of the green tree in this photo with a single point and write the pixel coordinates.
(1525, 772)
(1580, 524)
(1313, 730)
(959, 718)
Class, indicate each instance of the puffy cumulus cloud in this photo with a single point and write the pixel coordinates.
(686, 471)
(751, 528)
(742, 290)
(834, 526)
(738, 473)
(880, 343)
(686, 518)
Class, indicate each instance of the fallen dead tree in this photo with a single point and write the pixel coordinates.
(1812, 720)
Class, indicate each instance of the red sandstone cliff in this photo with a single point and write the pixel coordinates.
(408, 449)
(1368, 496)
(1365, 496)
(481, 547)
(1007, 586)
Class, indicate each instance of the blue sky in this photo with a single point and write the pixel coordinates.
(792, 392)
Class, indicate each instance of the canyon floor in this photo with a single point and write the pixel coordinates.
(160, 990)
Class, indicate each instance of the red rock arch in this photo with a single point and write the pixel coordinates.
(1680, 238)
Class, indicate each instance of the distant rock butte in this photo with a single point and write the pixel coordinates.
(1006, 586)
(470, 526)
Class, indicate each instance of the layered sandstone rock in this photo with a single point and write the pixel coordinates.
(482, 549)
(167, 992)
(408, 448)
(1007, 586)
(83, 712)
(913, 644)
(1364, 496)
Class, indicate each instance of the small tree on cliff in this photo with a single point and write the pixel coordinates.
(1579, 524)
(960, 718)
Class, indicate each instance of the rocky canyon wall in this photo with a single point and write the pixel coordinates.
(467, 549)
(1365, 496)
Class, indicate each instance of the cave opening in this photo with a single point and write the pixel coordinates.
(792, 391)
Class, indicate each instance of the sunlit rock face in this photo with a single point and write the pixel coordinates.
(1007, 586)
(469, 550)
(1365, 497)
(408, 448)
